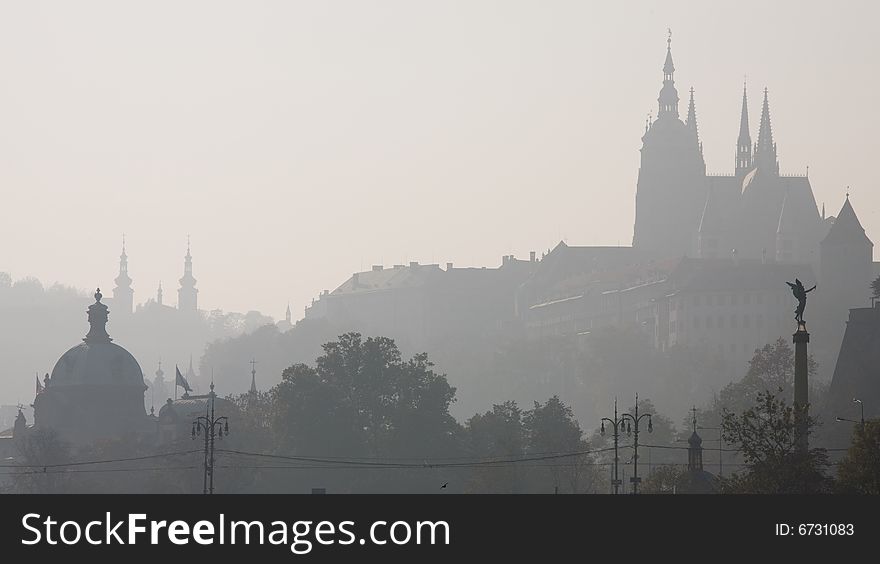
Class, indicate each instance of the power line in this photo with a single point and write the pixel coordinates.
(107, 461)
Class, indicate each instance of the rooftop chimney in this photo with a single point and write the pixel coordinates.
(532, 256)
(448, 266)
(413, 264)
(377, 268)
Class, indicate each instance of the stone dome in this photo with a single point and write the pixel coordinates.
(101, 364)
(97, 361)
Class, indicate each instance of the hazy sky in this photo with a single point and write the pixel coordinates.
(298, 142)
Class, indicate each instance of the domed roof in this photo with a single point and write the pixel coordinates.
(97, 361)
(104, 364)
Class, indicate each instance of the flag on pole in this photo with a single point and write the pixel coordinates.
(179, 380)
(39, 384)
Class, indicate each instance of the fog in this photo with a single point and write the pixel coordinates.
(299, 142)
(477, 221)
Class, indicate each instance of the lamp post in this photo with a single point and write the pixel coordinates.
(861, 421)
(211, 426)
(633, 421)
(617, 425)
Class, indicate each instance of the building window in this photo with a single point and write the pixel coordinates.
(708, 322)
(720, 322)
(696, 323)
(696, 300)
(733, 299)
(746, 299)
(733, 321)
(759, 321)
(746, 321)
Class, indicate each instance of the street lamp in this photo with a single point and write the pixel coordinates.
(861, 421)
(633, 421)
(617, 425)
(211, 426)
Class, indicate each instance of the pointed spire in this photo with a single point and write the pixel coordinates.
(692, 115)
(668, 66)
(287, 315)
(765, 150)
(668, 100)
(744, 140)
(823, 211)
(159, 294)
(253, 389)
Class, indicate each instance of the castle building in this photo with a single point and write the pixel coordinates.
(754, 213)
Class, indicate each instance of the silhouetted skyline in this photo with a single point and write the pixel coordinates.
(298, 144)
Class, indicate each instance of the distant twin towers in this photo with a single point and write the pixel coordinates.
(123, 294)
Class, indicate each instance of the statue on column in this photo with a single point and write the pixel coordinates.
(800, 293)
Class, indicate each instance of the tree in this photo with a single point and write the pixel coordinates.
(875, 288)
(361, 399)
(40, 451)
(766, 435)
(771, 369)
(497, 434)
(859, 471)
(551, 430)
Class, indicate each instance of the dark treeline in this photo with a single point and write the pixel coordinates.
(364, 419)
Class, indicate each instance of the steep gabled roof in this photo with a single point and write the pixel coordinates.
(846, 228)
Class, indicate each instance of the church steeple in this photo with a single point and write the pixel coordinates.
(159, 294)
(253, 389)
(287, 314)
(744, 141)
(187, 295)
(123, 294)
(668, 100)
(765, 149)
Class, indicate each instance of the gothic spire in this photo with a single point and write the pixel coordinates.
(744, 141)
(692, 115)
(765, 150)
(668, 100)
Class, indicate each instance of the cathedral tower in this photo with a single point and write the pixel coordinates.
(765, 148)
(671, 190)
(744, 141)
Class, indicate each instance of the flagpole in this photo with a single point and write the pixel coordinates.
(176, 372)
